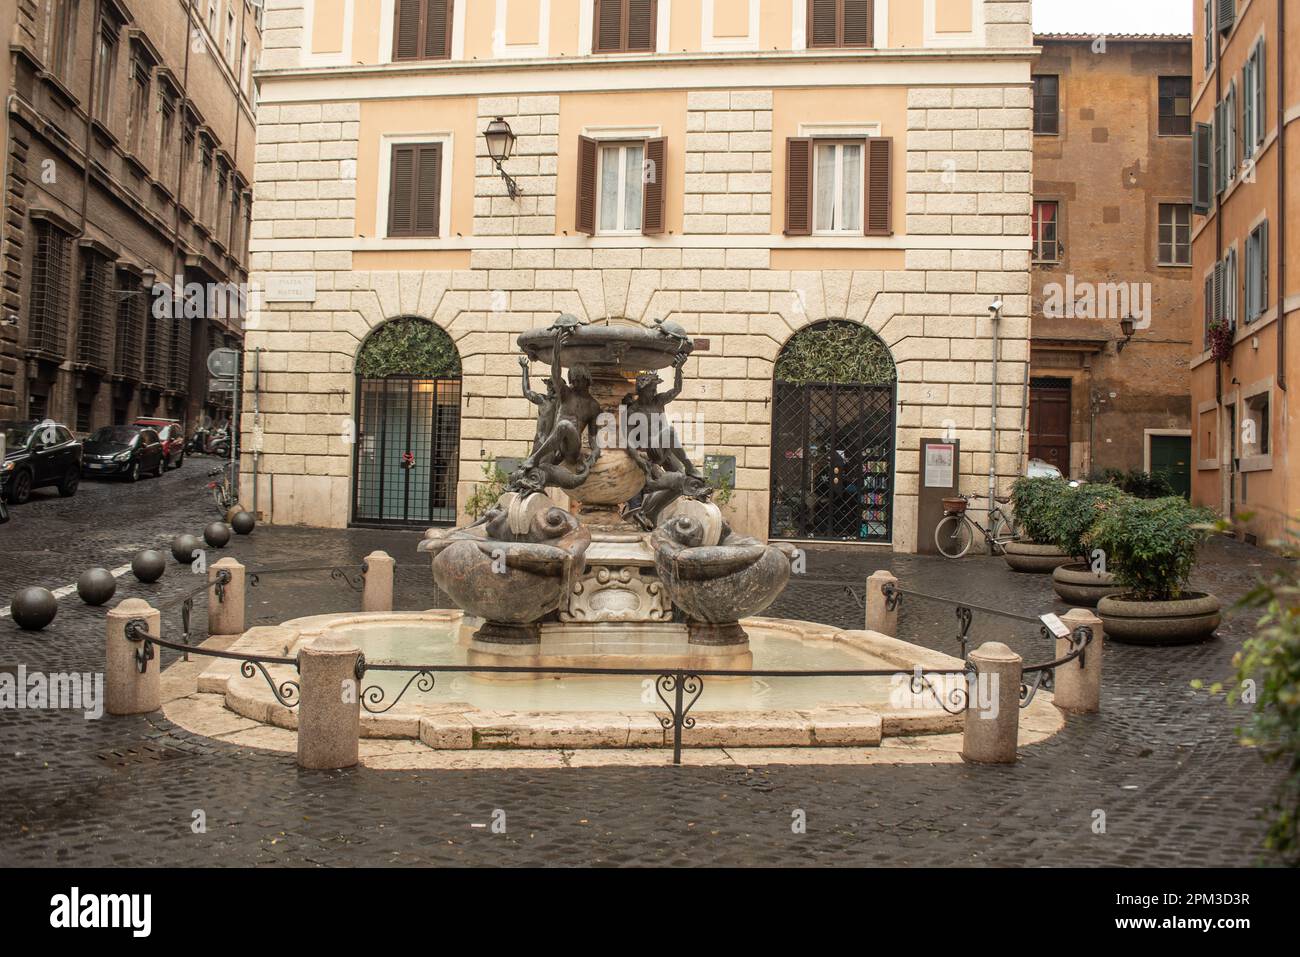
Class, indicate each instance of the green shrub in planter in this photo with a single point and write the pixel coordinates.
(1150, 544)
(1076, 510)
(1034, 500)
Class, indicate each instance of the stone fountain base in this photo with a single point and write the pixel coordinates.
(644, 644)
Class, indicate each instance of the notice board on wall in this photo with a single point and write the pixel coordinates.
(940, 478)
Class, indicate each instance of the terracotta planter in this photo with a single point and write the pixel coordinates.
(1077, 585)
(1028, 557)
(1182, 621)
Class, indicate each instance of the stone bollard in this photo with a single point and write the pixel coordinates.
(329, 708)
(993, 714)
(880, 617)
(226, 609)
(377, 594)
(1078, 690)
(128, 691)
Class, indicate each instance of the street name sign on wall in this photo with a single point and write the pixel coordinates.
(290, 287)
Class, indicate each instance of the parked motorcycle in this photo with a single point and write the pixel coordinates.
(209, 442)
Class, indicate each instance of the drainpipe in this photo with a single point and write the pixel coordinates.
(995, 309)
(1281, 195)
(257, 417)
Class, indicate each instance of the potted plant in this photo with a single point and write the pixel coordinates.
(1151, 546)
(1034, 500)
(1089, 579)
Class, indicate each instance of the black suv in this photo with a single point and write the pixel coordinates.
(38, 454)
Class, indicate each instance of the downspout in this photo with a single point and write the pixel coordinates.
(996, 311)
(90, 116)
(1281, 196)
(257, 410)
(178, 294)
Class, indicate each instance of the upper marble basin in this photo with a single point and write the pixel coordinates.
(625, 349)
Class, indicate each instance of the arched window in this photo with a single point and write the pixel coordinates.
(407, 448)
(833, 400)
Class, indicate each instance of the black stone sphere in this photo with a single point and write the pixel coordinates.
(149, 565)
(96, 586)
(242, 523)
(217, 534)
(183, 547)
(33, 608)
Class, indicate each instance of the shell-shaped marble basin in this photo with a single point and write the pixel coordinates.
(626, 350)
(723, 583)
(514, 582)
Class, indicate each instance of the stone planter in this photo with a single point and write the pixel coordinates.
(1029, 557)
(1182, 621)
(1077, 585)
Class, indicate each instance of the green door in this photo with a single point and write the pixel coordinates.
(1171, 456)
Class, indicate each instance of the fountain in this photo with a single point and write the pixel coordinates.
(643, 566)
(605, 552)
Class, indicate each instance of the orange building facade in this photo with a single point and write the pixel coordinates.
(1246, 104)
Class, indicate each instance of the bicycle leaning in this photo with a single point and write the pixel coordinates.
(955, 533)
(223, 491)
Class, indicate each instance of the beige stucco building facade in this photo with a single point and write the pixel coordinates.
(732, 255)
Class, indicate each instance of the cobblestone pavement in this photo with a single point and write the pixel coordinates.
(1160, 761)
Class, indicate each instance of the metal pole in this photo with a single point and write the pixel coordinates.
(234, 426)
(680, 678)
(257, 411)
(996, 310)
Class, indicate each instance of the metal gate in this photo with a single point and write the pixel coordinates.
(832, 461)
(407, 451)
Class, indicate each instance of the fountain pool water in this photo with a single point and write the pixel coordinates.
(436, 643)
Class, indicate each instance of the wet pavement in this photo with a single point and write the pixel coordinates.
(1160, 764)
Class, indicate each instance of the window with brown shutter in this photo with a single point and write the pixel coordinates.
(879, 217)
(654, 195)
(415, 189)
(625, 26)
(422, 30)
(839, 186)
(622, 187)
(585, 218)
(841, 23)
(798, 186)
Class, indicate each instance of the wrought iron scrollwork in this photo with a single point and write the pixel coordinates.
(1045, 679)
(356, 582)
(679, 684)
(187, 611)
(137, 629)
(955, 699)
(253, 579)
(964, 616)
(374, 695)
(287, 692)
(219, 584)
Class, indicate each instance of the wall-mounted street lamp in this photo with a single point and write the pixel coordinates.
(1126, 330)
(500, 144)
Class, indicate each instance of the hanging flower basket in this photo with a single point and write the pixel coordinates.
(1220, 340)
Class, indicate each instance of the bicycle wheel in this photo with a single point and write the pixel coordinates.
(1004, 530)
(952, 536)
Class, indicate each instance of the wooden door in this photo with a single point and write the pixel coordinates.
(1049, 423)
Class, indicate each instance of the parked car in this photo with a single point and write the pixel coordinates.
(128, 451)
(173, 439)
(37, 454)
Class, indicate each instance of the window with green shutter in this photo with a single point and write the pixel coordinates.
(1203, 163)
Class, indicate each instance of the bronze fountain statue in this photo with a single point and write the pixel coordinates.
(642, 557)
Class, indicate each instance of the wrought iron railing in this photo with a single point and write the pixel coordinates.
(685, 686)
(964, 611)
